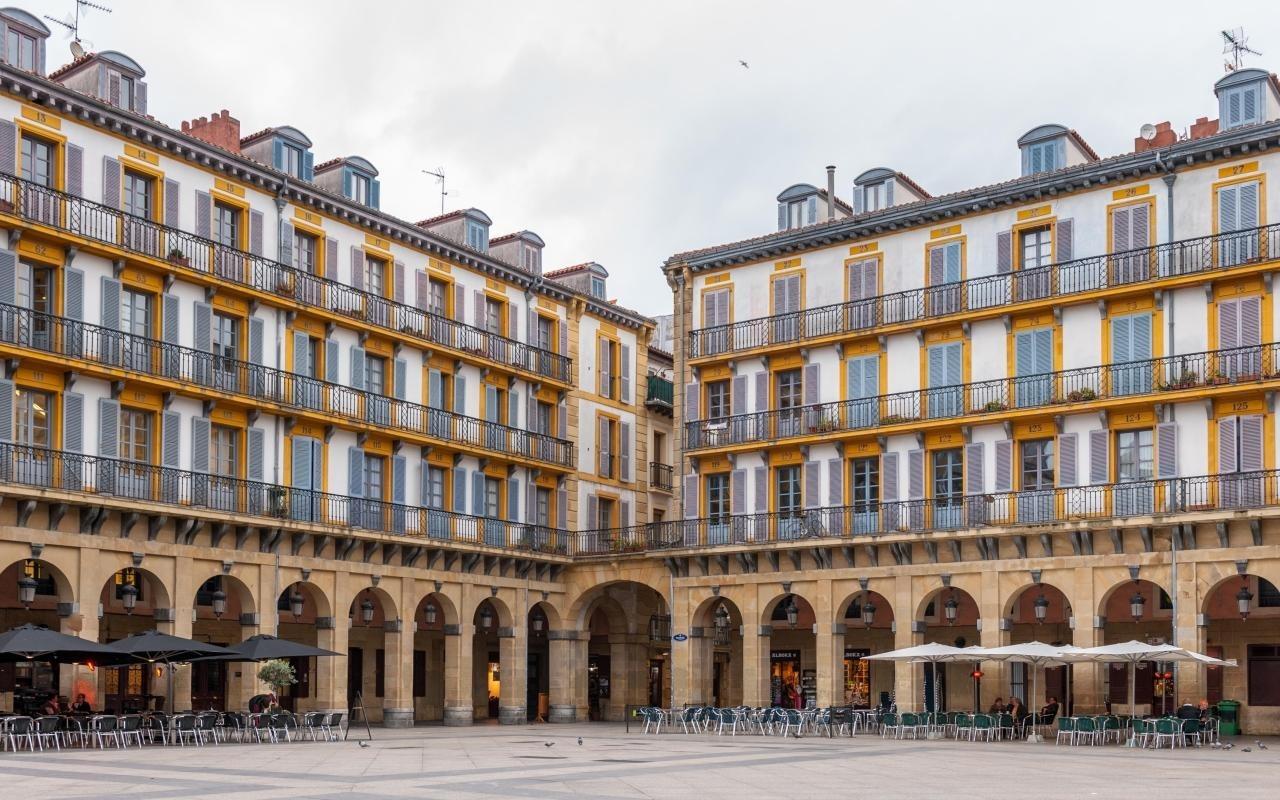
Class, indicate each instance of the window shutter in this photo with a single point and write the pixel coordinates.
(200, 432)
(937, 366)
(1099, 456)
(1141, 328)
(203, 328)
(75, 170)
(1248, 206)
(1044, 351)
(172, 203)
(1167, 450)
(562, 415)
(975, 481)
(435, 389)
(375, 190)
(317, 464)
(330, 362)
(301, 352)
(915, 474)
(421, 290)
(835, 482)
(782, 216)
(513, 321)
(481, 319)
(1250, 321)
(355, 472)
(593, 512)
(739, 395)
(624, 451)
(812, 484)
(762, 390)
(1139, 227)
(301, 447)
(399, 478)
(513, 499)
(691, 403)
(256, 447)
(255, 232)
(1251, 443)
(1004, 252)
(9, 149)
(357, 268)
(108, 426)
(813, 210)
(1024, 355)
(738, 491)
(170, 318)
(1068, 472)
(762, 489)
(625, 392)
(110, 303)
(1066, 240)
(513, 409)
(171, 450)
(331, 258)
(780, 296)
(951, 253)
(6, 410)
(1228, 209)
(1004, 466)
(357, 368)
(602, 446)
(859, 203)
(111, 186)
(401, 378)
(1121, 219)
(562, 509)
(459, 394)
(8, 278)
(563, 325)
(459, 490)
(793, 293)
(459, 304)
(204, 210)
(889, 466)
(811, 374)
(73, 303)
(72, 421)
(1121, 339)
(888, 192)
(1228, 324)
(256, 336)
(277, 154)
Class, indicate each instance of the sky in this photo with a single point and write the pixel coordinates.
(625, 133)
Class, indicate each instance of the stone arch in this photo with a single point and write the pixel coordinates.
(884, 615)
(385, 609)
(804, 607)
(1145, 586)
(237, 589)
(63, 590)
(1059, 601)
(583, 606)
(1264, 571)
(446, 610)
(156, 593)
(502, 612)
(968, 612)
(704, 615)
(315, 601)
(549, 611)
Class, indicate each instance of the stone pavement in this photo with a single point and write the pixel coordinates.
(505, 762)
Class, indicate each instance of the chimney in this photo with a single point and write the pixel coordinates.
(831, 192)
(220, 130)
(1164, 137)
(1204, 127)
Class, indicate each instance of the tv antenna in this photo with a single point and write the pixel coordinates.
(72, 24)
(438, 174)
(1235, 43)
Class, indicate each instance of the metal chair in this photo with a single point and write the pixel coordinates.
(130, 727)
(1170, 729)
(332, 725)
(207, 726)
(105, 728)
(890, 724)
(47, 729)
(311, 722)
(16, 730)
(185, 727)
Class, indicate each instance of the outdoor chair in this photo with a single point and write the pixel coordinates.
(1067, 728)
(1006, 727)
(961, 725)
(233, 724)
(908, 722)
(837, 720)
(1192, 731)
(310, 727)
(1142, 731)
(16, 731)
(105, 728)
(890, 724)
(332, 725)
(130, 727)
(728, 716)
(185, 727)
(45, 729)
(284, 724)
(1209, 730)
(1108, 728)
(652, 718)
(794, 721)
(1086, 730)
(259, 726)
(155, 724)
(207, 726)
(985, 726)
(73, 733)
(1168, 729)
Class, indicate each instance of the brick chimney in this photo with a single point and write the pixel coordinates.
(1164, 137)
(1204, 127)
(221, 130)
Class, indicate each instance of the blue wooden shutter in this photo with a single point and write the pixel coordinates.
(257, 333)
(937, 366)
(1248, 206)
(72, 422)
(1099, 456)
(1044, 350)
(889, 468)
(108, 440)
(459, 490)
(399, 478)
(1141, 328)
(203, 327)
(1167, 450)
(73, 303)
(915, 474)
(1068, 472)
(435, 389)
(171, 450)
(204, 214)
(1004, 465)
(301, 478)
(1004, 252)
(172, 203)
(308, 165)
(111, 186)
(1121, 339)
(975, 479)
(255, 232)
(357, 368)
(477, 494)
(75, 170)
(513, 499)
(624, 451)
(110, 303)
(401, 379)
(738, 491)
(1229, 209)
(330, 362)
(6, 410)
(761, 480)
(1024, 353)
(8, 277)
(953, 265)
(200, 433)
(355, 472)
(8, 147)
(256, 454)
(762, 391)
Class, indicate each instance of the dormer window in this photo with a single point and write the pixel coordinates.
(291, 159)
(477, 236)
(1042, 157)
(876, 196)
(1241, 105)
(797, 213)
(127, 90)
(532, 260)
(597, 287)
(20, 50)
(361, 188)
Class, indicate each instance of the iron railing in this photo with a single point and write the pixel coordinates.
(110, 348)
(42, 468)
(1238, 365)
(1150, 498)
(660, 475)
(1133, 267)
(191, 253)
(659, 392)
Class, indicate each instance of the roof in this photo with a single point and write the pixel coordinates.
(67, 68)
(23, 18)
(798, 190)
(882, 173)
(583, 267)
(287, 131)
(475, 213)
(1053, 130)
(1249, 75)
(528, 236)
(358, 162)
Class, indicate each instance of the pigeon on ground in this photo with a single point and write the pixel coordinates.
(1246, 750)
(1228, 746)
(548, 744)
(579, 741)
(362, 743)
(1260, 745)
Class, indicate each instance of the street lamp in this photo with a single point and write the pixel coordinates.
(1243, 598)
(1041, 607)
(868, 613)
(219, 603)
(295, 604)
(366, 611)
(793, 613)
(538, 622)
(950, 608)
(429, 613)
(722, 620)
(26, 590)
(129, 597)
(486, 618)
(1136, 604)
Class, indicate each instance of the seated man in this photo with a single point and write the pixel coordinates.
(1188, 711)
(1049, 713)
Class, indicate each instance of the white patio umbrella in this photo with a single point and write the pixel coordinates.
(931, 653)
(1037, 654)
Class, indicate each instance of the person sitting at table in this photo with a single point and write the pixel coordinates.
(1018, 711)
(51, 706)
(1049, 713)
(1187, 711)
(81, 705)
(997, 706)
(1204, 711)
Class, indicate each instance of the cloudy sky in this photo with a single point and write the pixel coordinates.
(623, 133)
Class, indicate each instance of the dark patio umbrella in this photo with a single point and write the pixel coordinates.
(34, 643)
(156, 647)
(264, 647)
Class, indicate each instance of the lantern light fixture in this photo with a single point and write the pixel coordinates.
(793, 613)
(219, 603)
(26, 590)
(1244, 598)
(430, 613)
(129, 597)
(1136, 604)
(486, 618)
(296, 604)
(1041, 607)
(951, 608)
(366, 611)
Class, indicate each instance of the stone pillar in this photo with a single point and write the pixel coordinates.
(178, 616)
(1189, 678)
(242, 679)
(331, 673)
(995, 674)
(755, 665)
(458, 708)
(906, 677)
(568, 678)
(826, 663)
(513, 698)
(629, 665)
(693, 666)
(397, 683)
(74, 679)
(1086, 678)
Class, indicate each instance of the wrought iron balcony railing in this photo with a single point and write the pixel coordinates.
(1203, 254)
(660, 476)
(659, 392)
(44, 469)
(105, 347)
(1150, 498)
(191, 253)
(1241, 365)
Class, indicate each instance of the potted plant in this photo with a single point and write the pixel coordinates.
(176, 256)
(277, 673)
(277, 499)
(1219, 378)
(6, 206)
(994, 405)
(1081, 395)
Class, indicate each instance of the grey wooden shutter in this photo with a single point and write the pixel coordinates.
(435, 389)
(72, 438)
(200, 433)
(513, 409)
(563, 325)
(1251, 443)
(110, 303)
(738, 491)
(401, 379)
(1099, 456)
(257, 332)
(811, 386)
(624, 451)
(602, 446)
(477, 494)
(170, 315)
(513, 321)
(256, 454)
(690, 496)
(8, 277)
(357, 268)
(398, 478)
(1004, 251)
(459, 394)
(1004, 465)
(915, 474)
(301, 352)
(691, 403)
(75, 170)
(1066, 240)
(108, 440)
(357, 368)
(1167, 450)
(513, 499)
(397, 281)
(481, 319)
(73, 285)
(459, 304)
(1248, 206)
(355, 472)
(812, 484)
(975, 479)
(171, 449)
(421, 290)
(255, 232)
(1068, 472)
(331, 257)
(562, 509)
(301, 478)
(835, 482)
(9, 147)
(459, 490)
(6, 410)
(111, 182)
(761, 479)
(204, 214)
(739, 395)
(593, 513)
(562, 413)
(330, 362)
(937, 266)
(859, 203)
(782, 216)
(625, 391)
(889, 466)
(203, 327)
(172, 203)
(762, 390)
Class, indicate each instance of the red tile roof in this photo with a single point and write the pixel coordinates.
(65, 68)
(331, 162)
(422, 223)
(562, 271)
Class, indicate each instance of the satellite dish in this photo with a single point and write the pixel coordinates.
(77, 49)
(1147, 131)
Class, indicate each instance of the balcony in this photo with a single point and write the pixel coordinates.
(1085, 504)
(659, 395)
(56, 470)
(1147, 266)
(1192, 373)
(104, 350)
(660, 476)
(205, 258)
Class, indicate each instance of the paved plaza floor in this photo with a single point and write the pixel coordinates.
(504, 762)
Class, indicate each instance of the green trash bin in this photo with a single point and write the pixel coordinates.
(1229, 717)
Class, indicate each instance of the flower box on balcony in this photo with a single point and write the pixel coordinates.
(284, 288)
(1219, 380)
(995, 405)
(1081, 395)
(6, 206)
(1247, 377)
(894, 419)
(177, 257)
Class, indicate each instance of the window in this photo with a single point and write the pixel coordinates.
(1263, 673)
(138, 194)
(597, 287)
(1241, 105)
(437, 298)
(477, 236)
(374, 477)
(38, 165)
(790, 389)
(204, 595)
(796, 213)
(1041, 157)
(718, 496)
(865, 482)
(291, 156)
(494, 315)
(375, 276)
(32, 417)
(542, 507)
(875, 197)
(541, 422)
(606, 364)
(1268, 594)
(948, 477)
(361, 188)
(660, 447)
(1134, 456)
(21, 50)
(34, 288)
(304, 252)
(1037, 248)
(607, 446)
(135, 312)
(135, 435)
(224, 451)
(225, 341)
(604, 513)
(226, 224)
(492, 498)
(718, 400)
(434, 488)
(1037, 465)
(788, 490)
(546, 333)
(375, 374)
(127, 92)
(532, 260)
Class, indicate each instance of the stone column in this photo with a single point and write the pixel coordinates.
(568, 678)
(629, 665)
(331, 672)
(1189, 678)
(755, 664)
(906, 677)
(513, 698)
(397, 700)
(178, 615)
(1086, 678)
(692, 667)
(458, 702)
(995, 674)
(246, 685)
(827, 664)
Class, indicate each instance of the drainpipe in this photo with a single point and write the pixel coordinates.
(278, 433)
(831, 192)
(1169, 177)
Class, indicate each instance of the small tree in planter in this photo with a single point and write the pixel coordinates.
(277, 673)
